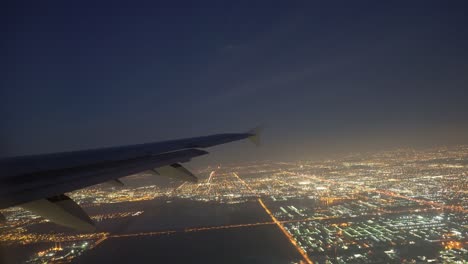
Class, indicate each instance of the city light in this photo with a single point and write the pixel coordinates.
(361, 208)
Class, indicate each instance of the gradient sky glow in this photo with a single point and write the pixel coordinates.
(321, 77)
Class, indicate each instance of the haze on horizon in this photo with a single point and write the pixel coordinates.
(322, 78)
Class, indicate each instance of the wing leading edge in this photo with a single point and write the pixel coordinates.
(35, 182)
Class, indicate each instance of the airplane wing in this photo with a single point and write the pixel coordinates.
(38, 183)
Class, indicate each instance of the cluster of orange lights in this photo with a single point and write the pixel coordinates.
(341, 225)
(452, 245)
(57, 247)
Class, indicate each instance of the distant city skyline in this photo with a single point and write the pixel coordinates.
(367, 208)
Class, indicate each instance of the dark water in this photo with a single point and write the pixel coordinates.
(259, 244)
(178, 214)
(262, 244)
(12, 254)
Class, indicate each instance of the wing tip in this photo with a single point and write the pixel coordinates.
(254, 135)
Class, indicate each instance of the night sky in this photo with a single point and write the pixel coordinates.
(322, 78)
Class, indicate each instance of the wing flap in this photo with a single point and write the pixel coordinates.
(115, 183)
(177, 171)
(61, 210)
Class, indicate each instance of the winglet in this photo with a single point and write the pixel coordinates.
(255, 135)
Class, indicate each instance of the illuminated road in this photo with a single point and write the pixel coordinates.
(99, 241)
(199, 229)
(243, 182)
(286, 233)
(212, 174)
(279, 224)
(180, 186)
(275, 221)
(189, 230)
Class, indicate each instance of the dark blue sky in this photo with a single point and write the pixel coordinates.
(321, 77)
